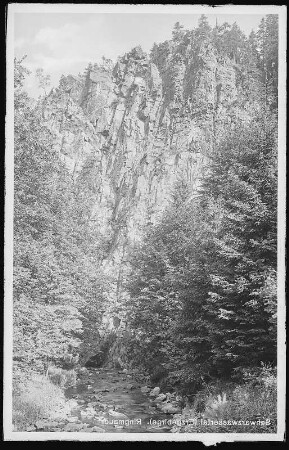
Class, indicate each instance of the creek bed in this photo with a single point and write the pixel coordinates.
(113, 393)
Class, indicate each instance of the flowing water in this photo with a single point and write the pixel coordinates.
(112, 401)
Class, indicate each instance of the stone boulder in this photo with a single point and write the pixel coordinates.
(145, 389)
(71, 427)
(83, 371)
(155, 392)
(170, 408)
(98, 430)
(161, 398)
(44, 425)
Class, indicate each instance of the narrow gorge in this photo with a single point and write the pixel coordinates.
(145, 237)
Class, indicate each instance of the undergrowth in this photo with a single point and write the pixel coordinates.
(250, 407)
(37, 397)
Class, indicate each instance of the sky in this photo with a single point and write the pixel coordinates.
(63, 43)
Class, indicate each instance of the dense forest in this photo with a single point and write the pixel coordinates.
(145, 224)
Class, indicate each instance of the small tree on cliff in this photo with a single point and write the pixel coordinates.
(203, 30)
(43, 80)
(178, 32)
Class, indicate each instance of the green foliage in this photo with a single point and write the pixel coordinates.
(37, 398)
(230, 41)
(178, 32)
(254, 58)
(20, 73)
(267, 41)
(43, 333)
(58, 286)
(249, 407)
(203, 284)
(243, 181)
(203, 30)
(61, 377)
(43, 80)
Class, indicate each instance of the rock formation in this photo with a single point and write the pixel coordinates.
(131, 131)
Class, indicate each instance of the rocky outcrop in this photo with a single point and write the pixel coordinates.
(133, 132)
(127, 134)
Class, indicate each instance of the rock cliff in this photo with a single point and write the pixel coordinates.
(129, 132)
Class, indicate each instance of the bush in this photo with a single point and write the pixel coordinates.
(35, 399)
(250, 404)
(186, 381)
(61, 377)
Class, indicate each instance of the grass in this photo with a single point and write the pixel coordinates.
(35, 399)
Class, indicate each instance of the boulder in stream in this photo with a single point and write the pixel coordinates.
(89, 413)
(73, 427)
(71, 404)
(116, 414)
(98, 430)
(44, 425)
(145, 389)
(161, 398)
(155, 392)
(169, 408)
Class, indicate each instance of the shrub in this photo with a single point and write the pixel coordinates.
(250, 404)
(61, 377)
(247, 403)
(36, 398)
(187, 381)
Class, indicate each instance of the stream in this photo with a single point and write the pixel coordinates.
(111, 401)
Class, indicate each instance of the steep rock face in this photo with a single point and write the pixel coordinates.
(130, 132)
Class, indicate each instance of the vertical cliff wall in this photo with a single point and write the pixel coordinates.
(127, 133)
(132, 132)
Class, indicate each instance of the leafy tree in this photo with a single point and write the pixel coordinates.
(245, 246)
(56, 276)
(178, 32)
(43, 80)
(267, 38)
(203, 30)
(203, 285)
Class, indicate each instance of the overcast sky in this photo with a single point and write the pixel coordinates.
(63, 43)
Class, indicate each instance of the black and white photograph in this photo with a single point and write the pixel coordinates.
(145, 223)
